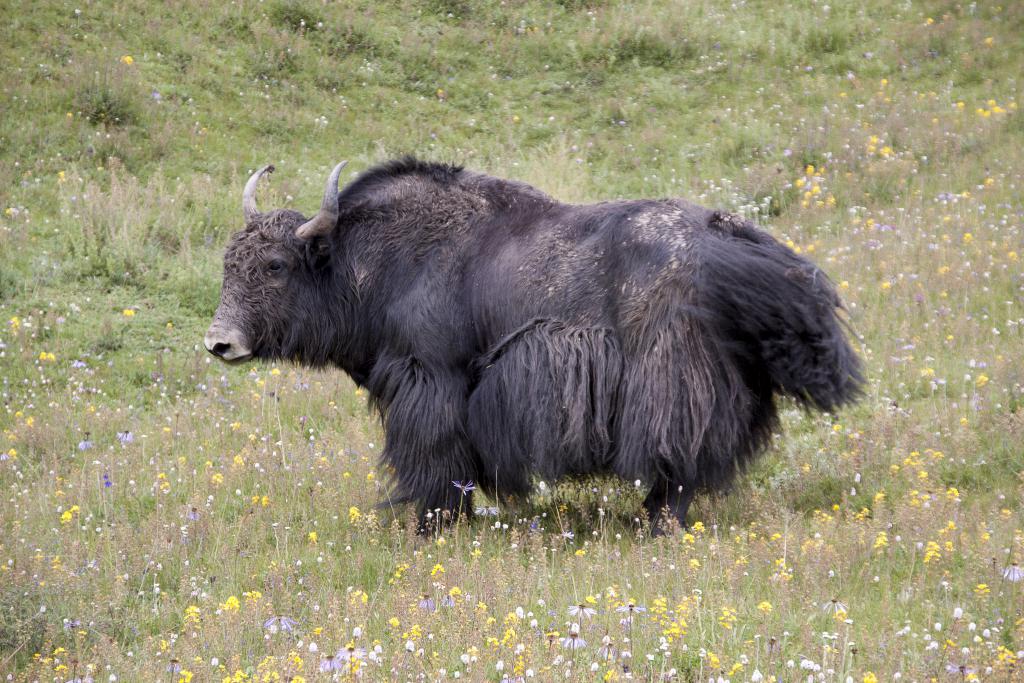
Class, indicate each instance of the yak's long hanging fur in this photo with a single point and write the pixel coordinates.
(503, 335)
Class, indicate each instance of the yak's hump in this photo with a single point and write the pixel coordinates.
(369, 183)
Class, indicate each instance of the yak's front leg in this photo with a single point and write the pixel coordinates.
(425, 440)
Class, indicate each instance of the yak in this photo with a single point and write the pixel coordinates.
(503, 335)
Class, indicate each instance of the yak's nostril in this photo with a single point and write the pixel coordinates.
(220, 348)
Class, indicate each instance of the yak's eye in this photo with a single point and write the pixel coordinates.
(275, 266)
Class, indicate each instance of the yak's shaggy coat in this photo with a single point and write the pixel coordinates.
(504, 335)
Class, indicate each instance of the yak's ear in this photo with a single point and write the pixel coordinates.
(324, 222)
(318, 251)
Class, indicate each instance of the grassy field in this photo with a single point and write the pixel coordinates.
(167, 518)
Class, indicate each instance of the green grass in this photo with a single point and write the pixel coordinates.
(126, 133)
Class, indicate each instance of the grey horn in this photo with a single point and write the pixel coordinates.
(249, 193)
(327, 218)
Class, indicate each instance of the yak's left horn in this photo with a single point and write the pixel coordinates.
(249, 193)
(324, 222)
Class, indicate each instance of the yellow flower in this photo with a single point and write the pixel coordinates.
(128, 312)
(312, 537)
(127, 59)
(981, 381)
(354, 514)
(231, 604)
(438, 569)
(765, 606)
(870, 677)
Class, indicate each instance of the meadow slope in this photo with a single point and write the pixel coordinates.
(167, 518)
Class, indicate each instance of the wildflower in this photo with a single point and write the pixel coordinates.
(1013, 573)
(354, 514)
(312, 537)
(127, 59)
(833, 606)
(174, 666)
(331, 663)
(106, 481)
(489, 511)
(765, 606)
(464, 486)
(231, 604)
(961, 669)
(192, 515)
(631, 608)
(125, 437)
(573, 641)
(870, 677)
(128, 312)
(85, 444)
(606, 651)
(351, 653)
(427, 603)
(77, 364)
(581, 610)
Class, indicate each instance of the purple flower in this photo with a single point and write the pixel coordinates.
(331, 663)
(1013, 573)
(106, 481)
(631, 608)
(350, 653)
(427, 603)
(174, 666)
(581, 610)
(487, 511)
(464, 486)
(85, 444)
(192, 514)
(961, 669)
(275, 624)
(77, 364)
(125, 437)
(573, 641)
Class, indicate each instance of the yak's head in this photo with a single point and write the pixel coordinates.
(274, 281)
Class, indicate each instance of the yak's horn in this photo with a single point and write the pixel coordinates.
(249, 193)
(327, 218)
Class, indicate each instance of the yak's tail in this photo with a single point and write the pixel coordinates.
(776, 311)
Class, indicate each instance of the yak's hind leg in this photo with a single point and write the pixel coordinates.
(425, 444)
(544, 404)
(689, 416)
(675, 498)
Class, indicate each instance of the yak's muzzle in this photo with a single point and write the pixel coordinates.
(228, 345)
